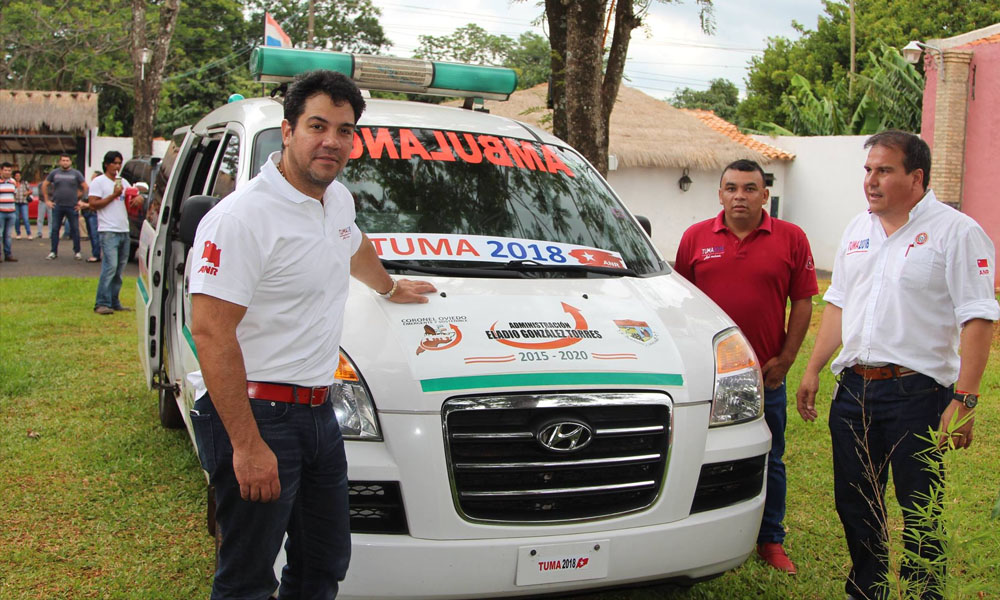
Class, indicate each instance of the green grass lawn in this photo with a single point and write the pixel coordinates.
(98, 501)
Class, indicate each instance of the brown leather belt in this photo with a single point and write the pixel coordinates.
(285, 392)
(882, 373)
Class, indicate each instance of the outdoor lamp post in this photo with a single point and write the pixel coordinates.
(913, 50)
(144, 57)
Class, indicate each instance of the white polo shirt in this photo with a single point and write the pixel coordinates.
(112, 217)
(287, 258)
(905, 297)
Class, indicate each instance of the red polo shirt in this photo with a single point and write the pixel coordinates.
(750, 279)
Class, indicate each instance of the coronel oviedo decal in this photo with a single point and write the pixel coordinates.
(637, 331)
(439, 333)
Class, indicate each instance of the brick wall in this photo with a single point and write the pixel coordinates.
(948, 154)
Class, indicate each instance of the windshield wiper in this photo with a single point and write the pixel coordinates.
(402, 266)
(513, 269)
(530, 266)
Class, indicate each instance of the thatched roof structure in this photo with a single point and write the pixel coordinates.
(55, 112)
(645, 132)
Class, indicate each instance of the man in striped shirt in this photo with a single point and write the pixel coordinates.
(7, 214)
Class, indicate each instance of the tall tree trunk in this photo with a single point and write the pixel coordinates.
(149, 78)
(555, 11)
(583, 92)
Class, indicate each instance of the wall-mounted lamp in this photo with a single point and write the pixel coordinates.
(144, 56)
(684, 182)
(913, 50)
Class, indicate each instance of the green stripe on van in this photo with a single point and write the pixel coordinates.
(190, 339)
(142, 290)
(445, 384)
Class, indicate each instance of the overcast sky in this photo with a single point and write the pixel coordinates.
(669, 54)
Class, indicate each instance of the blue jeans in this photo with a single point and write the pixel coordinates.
(43, 211)
(6, 225)
(21, 210)
(114, 256)
(90, 218)
(771, 529)
(875, 426)
(58, 214)
(312, 508)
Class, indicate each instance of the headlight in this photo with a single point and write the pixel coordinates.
(739, 386)
(353, 404)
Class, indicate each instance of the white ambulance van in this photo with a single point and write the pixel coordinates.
(566, 413)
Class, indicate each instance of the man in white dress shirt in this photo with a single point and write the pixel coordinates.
(912, 284)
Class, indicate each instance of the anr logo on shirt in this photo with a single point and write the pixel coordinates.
(213, 255)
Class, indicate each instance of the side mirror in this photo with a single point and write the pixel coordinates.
(192, 210)
(646, 225)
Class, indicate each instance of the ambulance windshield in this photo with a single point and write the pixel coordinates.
(458, 199)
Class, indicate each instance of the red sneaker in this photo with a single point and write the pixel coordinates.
(774, 555)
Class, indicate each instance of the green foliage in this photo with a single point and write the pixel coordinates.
(721, 97)
(529, 55)
(890, 96)
(822, 56)
(344, 25)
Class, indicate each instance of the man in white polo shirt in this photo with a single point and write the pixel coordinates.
(107, 199)
(912, 285)
(267, 297)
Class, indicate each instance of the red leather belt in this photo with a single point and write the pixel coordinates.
(285, 392)
(882, 373)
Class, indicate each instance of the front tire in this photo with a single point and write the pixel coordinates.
(170, 413)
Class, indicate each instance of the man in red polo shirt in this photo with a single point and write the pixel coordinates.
(751, 264)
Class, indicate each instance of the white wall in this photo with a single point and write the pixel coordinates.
(654, 194)
(824, 188)
(101, 144)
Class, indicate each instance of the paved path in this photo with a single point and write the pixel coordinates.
(30, 255)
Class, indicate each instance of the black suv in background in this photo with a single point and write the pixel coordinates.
(135, 170)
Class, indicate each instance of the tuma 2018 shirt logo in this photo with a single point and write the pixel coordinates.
(857, 246)
(212, 254)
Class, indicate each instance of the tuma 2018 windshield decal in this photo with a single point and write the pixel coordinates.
(452, 146)
(485, 248)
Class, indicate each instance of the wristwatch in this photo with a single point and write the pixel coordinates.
(969, 400)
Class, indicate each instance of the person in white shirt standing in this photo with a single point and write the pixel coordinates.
(268, 290)
(107, 198)
(911, 286)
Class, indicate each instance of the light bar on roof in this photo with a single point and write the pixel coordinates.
(387, 73)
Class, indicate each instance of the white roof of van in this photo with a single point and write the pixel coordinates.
(256, 114)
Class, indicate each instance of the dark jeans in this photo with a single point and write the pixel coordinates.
(58, 214)
(875, 426)
(90, 218)
(771, 529)
(312, 508)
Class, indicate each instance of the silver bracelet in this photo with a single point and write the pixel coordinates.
(392, 290)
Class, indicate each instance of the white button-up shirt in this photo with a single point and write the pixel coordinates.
(287, 258)
(904, 297)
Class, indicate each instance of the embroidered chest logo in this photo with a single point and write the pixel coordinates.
(345, 233)
(921, 238)
(984, 266)
(855, 246)
(712, 252)
(213, 255)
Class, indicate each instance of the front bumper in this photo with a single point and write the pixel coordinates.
(699, 546)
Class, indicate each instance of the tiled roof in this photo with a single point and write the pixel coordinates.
(732, 132)
(993, 39)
